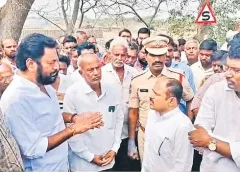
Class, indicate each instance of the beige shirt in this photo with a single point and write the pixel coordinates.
(200, 73)
(141, 87)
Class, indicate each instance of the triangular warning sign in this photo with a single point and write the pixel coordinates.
(206, 15)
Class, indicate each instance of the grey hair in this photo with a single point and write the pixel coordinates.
(193, 41)
(118, 41)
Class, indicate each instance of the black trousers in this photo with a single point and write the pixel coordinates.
(123, 162)
(197, 159)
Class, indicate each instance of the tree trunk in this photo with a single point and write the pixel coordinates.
(12, 18)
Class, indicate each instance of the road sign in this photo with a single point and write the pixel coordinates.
(206, 15)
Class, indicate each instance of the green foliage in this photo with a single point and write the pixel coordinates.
(180, 23)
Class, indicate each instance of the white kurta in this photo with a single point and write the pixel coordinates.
(110, 77)
(81, 98)
(200, 73)
(76, 76)
(219, 114)
(167, 148)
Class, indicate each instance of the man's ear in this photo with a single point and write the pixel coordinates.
(172, 101)
(80, 71)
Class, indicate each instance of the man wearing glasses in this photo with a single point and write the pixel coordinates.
(167, 147)
(218, 119)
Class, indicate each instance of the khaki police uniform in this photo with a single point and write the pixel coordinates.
(141, 87)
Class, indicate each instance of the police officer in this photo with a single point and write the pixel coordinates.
(156, 49)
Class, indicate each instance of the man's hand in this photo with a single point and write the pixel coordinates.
(108, 158)
(199, 137)
(87, 121)
(132, 149)
(98, 160)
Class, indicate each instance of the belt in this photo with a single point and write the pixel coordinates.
(142, 128)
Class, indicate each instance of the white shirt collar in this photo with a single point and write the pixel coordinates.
(109, 68)
(168, 115)
(25, 82)
(88, 89)
(200, 66)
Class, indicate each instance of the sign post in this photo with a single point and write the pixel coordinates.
(206, 15)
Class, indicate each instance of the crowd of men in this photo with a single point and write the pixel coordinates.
(150, 104)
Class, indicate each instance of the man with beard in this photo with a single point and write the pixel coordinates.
(9, 49)
(32, 112)
(156, 49)
(203, 68)
(218, 119)
(141, 63)
(95, 150)
(219, 66)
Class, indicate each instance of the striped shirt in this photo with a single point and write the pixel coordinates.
(197, 100)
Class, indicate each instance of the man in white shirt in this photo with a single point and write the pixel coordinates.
(219, 119)
(61, 85)
(192, 51)
(31, 109)
(167, 148)
(95, 150)
(119, 75)
(73, 54)
(82, 49)
(203, 68)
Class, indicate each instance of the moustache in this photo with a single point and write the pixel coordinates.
(157, 63)
(119, 62)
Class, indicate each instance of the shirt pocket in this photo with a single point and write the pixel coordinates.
(110, 120)
(143, 97)
(162, 148)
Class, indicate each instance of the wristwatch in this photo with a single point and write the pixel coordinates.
(212, 146)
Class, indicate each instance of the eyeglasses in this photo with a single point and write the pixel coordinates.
(161, 145)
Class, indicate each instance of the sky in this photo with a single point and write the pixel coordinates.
(50, 5)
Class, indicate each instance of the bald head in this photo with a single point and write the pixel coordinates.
(6, 75)
(9, 47)
(90, 69)
(87, 59)
(5, 68)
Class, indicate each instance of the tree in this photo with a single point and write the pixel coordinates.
(12, 18)
(226, 11)
(72, 16)
(137, 8)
